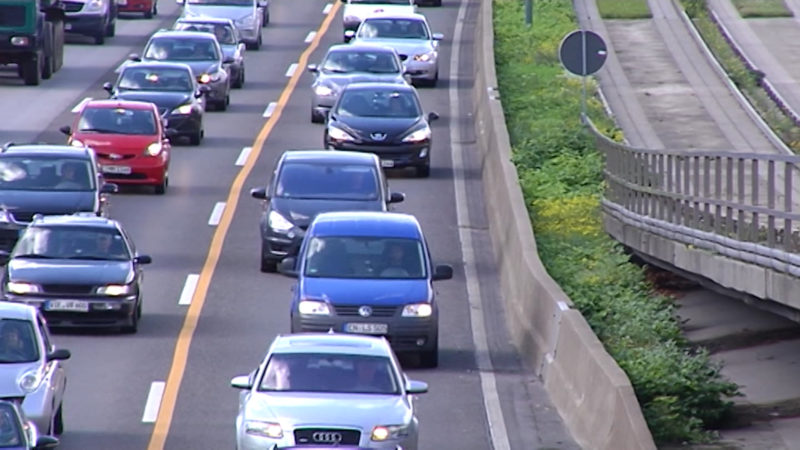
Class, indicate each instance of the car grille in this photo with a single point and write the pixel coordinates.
(68, 289)
(326, 437)
(377, 311)
(108, 156)
(12, 15)
(73, 6)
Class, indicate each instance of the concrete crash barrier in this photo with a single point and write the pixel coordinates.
(588, 388)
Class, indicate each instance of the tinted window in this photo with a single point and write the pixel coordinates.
(310, 372)
(361, 61)
(379, 103)
(117, 121)
(364, 257)
(393, 29)
(156, 79)
(321, 181)
(46, 174)
(224, 33)
(17, 341)
(71, 243)
(183, 49)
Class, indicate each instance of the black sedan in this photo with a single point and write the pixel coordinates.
(385, 119)
(308, 182)
(229, 41)
(173, 89)
(80, 270)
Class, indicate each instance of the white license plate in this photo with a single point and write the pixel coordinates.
(67, 26)
(67, 305)
(122, 2)
(367, 328)
(122, 170)
(387, 163)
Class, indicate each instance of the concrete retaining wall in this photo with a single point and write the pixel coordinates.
(587, 387)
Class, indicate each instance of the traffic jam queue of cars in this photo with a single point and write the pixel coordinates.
(364, 272)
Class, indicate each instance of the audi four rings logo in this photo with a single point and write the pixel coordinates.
(365, 311)
(378, 136)
(328, 437)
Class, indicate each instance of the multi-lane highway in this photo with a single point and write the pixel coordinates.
(209, 313)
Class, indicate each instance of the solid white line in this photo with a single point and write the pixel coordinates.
(491, 399)
(188, 289)
(327, 8)
(80, 105)
(310, 36)
(153, 402)
(244, 155)
(216, 214)
(270, 109)
(291, 70)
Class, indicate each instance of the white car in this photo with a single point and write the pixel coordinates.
(355, 11)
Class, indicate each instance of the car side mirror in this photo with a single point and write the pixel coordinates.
(396, 197)
(143, 259)
(66, 130)
(241, 382)
(313, 68)
(403, 58)
(287, 266)
(442, 272)
(259, 193)
(437, 36)
(228, 60)
(432, 116)
(59, 355)
(348, 35)
(134, 57)
(109, 188)
(46, 442)
(108, 87)
(416, 387)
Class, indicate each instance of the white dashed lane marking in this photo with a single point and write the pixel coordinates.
(216, 214)
(153, 402)
(290, 71)
(188, 289)
(270, 109)
(327, 8)
(244, 154)
(310, 36)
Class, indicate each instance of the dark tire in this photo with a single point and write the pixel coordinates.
(161, 189)
(267, 265)
(31, 72)
(316, 117)
(195, 138)
(266, 19)
(58, 421)
(223, 105)
(100, 38)
(430, 358)
(149, 14)
(111, 28)
(133, 327)
(47, 68)
(424, 171)
(254, 45)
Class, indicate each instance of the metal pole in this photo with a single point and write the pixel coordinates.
(583, 72)
(528, 12)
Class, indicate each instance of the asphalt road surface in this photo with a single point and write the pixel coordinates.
(168, 385)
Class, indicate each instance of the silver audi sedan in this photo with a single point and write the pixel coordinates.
(327, 390)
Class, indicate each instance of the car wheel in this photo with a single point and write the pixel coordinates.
(267, 265)
(316, 117)
(151, 12)
(47, 68)
(161, 188)
(266, 18)
(100, 37)
(429, 358)
(424, 170)
(435, 80)
(31, 71)
(58, 421)
(111, 28)
(133, 327)
(194, 139)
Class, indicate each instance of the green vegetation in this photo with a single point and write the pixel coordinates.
(762, 8)
(623, 9)
(681, 392)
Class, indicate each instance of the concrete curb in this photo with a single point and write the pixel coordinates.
(586, 385)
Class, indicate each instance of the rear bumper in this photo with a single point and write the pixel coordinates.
(90, 24)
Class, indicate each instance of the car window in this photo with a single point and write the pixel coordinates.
(327, 181)
(117, 121)
(156, 79)
(17, 341)
(224, 33)
(10, 427)
(393, 29)
(379, 103)
(342, 373)
(168, 49)
(46, 174)
(44, 332)
(360, 61)
(364, 257)
(67, 242)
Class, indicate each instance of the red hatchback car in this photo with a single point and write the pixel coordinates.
(148, 7)
(129, 139)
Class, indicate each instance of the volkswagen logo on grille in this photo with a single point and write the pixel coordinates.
(327, 437)
(365, 311)
(378, 136)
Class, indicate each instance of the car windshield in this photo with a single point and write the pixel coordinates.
(10, 427)
(156, 79)
(17, 341)
(339, 373)
(393, 29)
(28, 173)
(224, 33)
(379, 103)
(181, 49)
(71, 242)
(327, 181)
(360, 61)
(117, 121)
(364, 257)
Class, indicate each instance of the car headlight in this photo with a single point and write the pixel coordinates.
(30, 381)
(76, 143)
(115, 290)
(420, 135)
(266, 429)
(209, 78)
(339, 134)
(418, 310)
(314, 307)
(153, 149)
(20, 41)
(425, 57)
(386, 432)
(183, 109)
(21, 287)
(94, 5)
(278, 223)
(324, 91)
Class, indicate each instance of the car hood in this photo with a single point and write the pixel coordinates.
(70, 271)
(162, 99)
(301, 211)
(201, 67)
(328, 409)
(363, 11)
(341, 80)
(103, 143)
(383, 292)
(232, 12)
(363, 127)
(47, 202)
(408, 47)
(10, 374)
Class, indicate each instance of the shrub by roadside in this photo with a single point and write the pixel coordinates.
(681, 393)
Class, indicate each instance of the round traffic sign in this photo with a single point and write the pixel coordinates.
(583, 52)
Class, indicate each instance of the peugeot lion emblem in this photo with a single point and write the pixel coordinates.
(327, 437)
(365, 311)
(115, 156)
(378, 136)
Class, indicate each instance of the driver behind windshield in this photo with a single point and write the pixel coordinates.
(16, 343)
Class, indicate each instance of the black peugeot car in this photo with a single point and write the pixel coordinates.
(172, 88)
(385, 119)
(80, 270)
(305, 183)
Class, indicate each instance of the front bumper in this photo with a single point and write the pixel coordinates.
(401, 155)
(85, 23)
(276, 246)
(102, 311)
(249, 35)
(185, 124)
(422, 70)
(246, 441)
(143, 169)
(218, 90)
